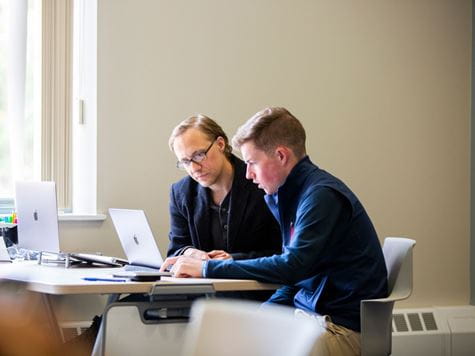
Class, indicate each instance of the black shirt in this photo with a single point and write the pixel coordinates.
(219, 224)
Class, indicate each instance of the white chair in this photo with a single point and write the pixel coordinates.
(376, 314)
(128, 332)
(236, 328)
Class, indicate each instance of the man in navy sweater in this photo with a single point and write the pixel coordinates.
(331, 258)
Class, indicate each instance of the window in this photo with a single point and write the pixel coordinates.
(39, 105)
(20, 95)
(35, 95)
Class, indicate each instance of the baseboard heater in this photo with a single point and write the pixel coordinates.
(70, 329)
(437, 331)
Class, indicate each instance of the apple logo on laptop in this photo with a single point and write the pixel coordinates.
(136, 240)
(35, 215)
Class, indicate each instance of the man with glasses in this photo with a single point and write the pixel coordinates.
(215, 212)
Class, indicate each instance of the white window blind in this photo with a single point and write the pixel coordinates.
(57, 96)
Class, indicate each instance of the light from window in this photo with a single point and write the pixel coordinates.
(20, 93)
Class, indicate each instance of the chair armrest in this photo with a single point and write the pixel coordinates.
(376, 322)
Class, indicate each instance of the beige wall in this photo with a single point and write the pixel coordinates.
(382, 87)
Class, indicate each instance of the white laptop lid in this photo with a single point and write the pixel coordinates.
(4, 256)
(37, 214)
(136, 237)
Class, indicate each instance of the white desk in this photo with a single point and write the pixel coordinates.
(62, 281)
(57, 280)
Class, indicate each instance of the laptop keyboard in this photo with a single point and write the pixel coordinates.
(135, 268)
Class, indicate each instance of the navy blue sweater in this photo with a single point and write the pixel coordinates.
(331, 259)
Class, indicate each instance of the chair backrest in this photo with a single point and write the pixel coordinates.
(398, 257)
(126, 331)
(376, 314)
(236, 328)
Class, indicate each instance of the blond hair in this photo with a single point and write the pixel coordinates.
(206, 125)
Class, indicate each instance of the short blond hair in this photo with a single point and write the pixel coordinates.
(270, 128)
(206, 125)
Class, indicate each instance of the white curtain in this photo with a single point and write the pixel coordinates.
(16, 21)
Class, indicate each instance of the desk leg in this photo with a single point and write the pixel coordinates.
(51, 316)
(98, 349)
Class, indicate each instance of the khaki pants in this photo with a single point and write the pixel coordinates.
(334, 340)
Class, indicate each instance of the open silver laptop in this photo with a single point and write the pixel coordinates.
(4, 256)
(137, 239)
(37, 214)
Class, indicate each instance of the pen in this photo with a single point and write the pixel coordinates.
(93, 279)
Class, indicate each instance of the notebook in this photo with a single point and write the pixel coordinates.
(37, 214)
(137, 240)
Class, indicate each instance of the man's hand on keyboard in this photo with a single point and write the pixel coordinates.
(183, 266)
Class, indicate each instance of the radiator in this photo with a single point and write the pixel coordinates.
(438, 331)
(71, 329)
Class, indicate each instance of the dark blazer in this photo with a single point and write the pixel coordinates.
(253, 231)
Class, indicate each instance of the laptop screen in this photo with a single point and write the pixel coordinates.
(4, 256)
(37, 214)
(136, 237)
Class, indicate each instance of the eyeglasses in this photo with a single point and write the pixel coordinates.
(198, 157)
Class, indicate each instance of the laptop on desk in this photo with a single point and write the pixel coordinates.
(4, 256)
(37, 214)
(137, 240)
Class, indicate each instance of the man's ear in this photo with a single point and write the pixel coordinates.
(283, 154)
(221, 144)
